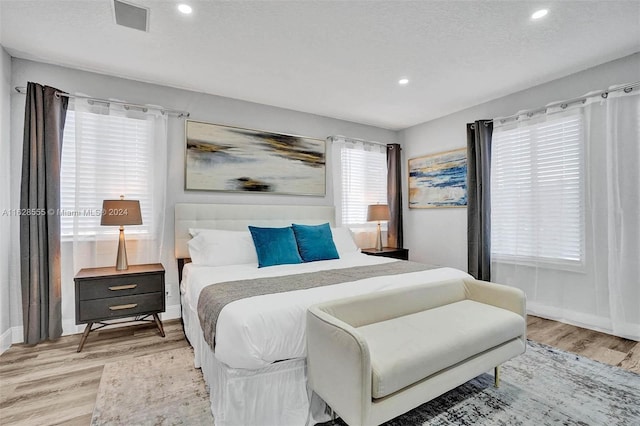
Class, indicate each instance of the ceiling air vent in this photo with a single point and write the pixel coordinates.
(130, 15)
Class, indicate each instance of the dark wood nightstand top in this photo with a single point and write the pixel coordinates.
(396, 253)
(110, 271)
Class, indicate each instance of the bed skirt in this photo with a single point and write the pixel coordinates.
(275, 395)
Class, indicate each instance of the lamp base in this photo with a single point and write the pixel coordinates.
(379, 239)
(121, 260)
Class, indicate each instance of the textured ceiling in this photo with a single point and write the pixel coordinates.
(335, 58)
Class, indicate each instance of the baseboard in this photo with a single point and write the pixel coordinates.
(70, 327)
(580, 319)
(6, 340)
(628, 331)
(171, 312)
(15, 334)
(564, 315)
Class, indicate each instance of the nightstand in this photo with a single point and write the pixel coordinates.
(104, 294)
(396, 253)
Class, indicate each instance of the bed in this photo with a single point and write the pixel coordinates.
(257, 374)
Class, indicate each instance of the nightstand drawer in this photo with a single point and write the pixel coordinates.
(120, 286)
(119, 307)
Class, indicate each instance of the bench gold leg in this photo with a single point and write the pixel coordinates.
(496, 376)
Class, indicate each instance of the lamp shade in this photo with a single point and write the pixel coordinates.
(377, 212)
(121, 212)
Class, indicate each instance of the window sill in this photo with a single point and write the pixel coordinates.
(545, 263)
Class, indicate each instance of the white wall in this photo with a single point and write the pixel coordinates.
(202, 107)
(5, 201)
(439, 236)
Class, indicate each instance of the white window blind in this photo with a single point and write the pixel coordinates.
(364, 182)
(537, 180)
(115, 159)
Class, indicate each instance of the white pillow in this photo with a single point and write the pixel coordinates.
(343, 239)
(217, 247)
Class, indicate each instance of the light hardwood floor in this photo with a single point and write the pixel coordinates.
(602, 347)
(52, 384)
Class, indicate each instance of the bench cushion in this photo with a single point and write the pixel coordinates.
(407, 349)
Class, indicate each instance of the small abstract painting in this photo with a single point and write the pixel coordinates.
(438, 180)
(224, 158)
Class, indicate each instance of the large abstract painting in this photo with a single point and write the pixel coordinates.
(438, 180)
(224, 158)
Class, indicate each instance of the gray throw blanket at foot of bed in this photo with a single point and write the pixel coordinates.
(214, 297)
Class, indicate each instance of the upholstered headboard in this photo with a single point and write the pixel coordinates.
(236, 217)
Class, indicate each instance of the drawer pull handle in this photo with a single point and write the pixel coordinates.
(121, 307)
(123, 287)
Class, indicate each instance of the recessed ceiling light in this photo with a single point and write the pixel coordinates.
(403, 81)
(539, 14)
(185, 8)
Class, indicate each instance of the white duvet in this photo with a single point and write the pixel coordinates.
(254, 332)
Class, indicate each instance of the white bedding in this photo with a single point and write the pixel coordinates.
(254, 332)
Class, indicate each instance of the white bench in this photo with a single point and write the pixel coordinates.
(376, 356)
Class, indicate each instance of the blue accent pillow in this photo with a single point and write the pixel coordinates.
(275, 246)
(315, 242)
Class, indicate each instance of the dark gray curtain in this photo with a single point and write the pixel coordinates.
(394, 195)
(39, 223)
(479, 198)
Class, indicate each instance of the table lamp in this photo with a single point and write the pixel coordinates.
(120, 213)
(378, 212)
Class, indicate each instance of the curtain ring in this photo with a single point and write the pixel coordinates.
(627, 89)
(564, 106)
(605, 95)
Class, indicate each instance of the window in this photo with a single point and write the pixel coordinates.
(364, 181)
(116, 158)
(537, 180)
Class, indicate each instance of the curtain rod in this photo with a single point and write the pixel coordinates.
(357, 140)
(23, 90)
(564, 104)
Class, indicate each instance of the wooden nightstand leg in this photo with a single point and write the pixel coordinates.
(87, 330)
(159, 324)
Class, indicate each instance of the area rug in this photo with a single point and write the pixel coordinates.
(158, 389)
(545, 386)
